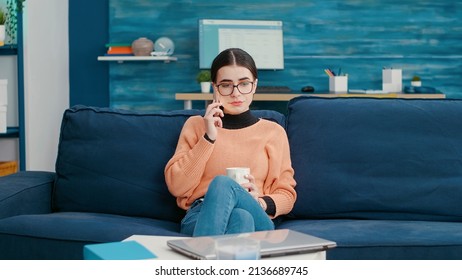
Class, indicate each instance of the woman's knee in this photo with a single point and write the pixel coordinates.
(221, 183)
(240, 220)
(221, 180)
(242, 215)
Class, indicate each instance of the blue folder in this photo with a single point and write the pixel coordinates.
(126, 250)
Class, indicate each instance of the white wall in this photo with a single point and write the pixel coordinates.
(46, 75)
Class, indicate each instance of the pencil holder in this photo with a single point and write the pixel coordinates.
(338, 84)
(392, 80)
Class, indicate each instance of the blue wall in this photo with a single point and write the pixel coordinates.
(421, 37)
(88, 78)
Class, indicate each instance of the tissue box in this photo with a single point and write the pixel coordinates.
(125, 250)
(392, 80)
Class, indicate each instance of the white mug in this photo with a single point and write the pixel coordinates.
(238, 174)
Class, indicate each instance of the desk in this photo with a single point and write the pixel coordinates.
(158, 245)
(189, 97)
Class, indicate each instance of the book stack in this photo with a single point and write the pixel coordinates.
(119, 49)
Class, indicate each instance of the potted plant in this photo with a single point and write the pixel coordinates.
(205, 79)
(416, 82)
(2, 27)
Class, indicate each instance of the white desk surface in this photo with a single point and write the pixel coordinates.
(158, 246)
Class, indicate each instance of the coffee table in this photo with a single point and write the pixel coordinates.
(158, 245)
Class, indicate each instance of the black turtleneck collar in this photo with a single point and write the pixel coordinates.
(239, 121)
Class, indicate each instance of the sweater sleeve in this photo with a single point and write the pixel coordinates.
(184, 170)
(280, 183)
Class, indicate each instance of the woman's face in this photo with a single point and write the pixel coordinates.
(228, 77)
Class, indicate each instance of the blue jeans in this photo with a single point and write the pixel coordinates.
(227, 208)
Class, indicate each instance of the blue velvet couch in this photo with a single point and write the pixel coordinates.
(381, 177)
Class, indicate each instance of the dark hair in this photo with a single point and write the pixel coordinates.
(233, 56)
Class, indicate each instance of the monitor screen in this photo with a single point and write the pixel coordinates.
(262, 39)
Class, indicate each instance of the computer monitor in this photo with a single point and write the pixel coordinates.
(262, 39)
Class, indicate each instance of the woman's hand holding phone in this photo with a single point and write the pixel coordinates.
(212, 119)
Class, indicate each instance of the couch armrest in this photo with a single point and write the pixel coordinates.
(26, 192)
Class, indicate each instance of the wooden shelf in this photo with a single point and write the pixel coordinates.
(121, 59)
(189, 97)
(11, 132)
(9, 50)
(256, 97)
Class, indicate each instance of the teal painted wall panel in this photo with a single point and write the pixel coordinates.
(361, 37)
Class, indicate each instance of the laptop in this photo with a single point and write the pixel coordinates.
(273, 243)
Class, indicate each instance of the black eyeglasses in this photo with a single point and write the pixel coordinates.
(226, 89)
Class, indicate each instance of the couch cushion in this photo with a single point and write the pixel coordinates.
(386, 240)
(377, 158)
(63, 235)
(112, 161)
(26, 192)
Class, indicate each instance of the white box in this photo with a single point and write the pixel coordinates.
(392, 80)
(2, 119)
(338, 84)
(3, 92)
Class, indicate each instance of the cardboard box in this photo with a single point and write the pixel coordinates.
(8, 167)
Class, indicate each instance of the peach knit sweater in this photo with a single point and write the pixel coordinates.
(262, 146)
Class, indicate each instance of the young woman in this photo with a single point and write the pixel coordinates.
(228, 135)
